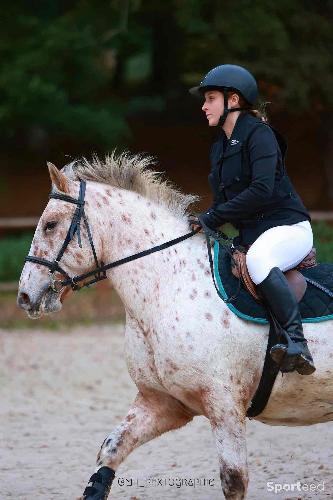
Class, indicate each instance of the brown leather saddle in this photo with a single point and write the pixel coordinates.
(295, 279)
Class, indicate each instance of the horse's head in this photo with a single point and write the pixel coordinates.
(61, 248)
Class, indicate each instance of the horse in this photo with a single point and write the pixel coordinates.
(187, 353)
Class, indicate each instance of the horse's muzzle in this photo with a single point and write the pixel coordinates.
(46, 302)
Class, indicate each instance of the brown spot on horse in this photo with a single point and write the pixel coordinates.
(126, 218)
(78, 257)
(172, 366)
(225, 322)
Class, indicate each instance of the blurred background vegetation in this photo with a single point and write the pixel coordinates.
(83, 76)
(78, 70)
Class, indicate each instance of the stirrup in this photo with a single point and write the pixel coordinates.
(289, 357)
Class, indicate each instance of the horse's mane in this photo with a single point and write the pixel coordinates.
(131, 172)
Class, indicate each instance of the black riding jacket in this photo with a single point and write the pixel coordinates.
(249, 182)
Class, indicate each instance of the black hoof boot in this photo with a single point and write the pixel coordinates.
(99, 484)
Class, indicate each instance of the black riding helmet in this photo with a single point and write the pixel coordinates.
(228, 77)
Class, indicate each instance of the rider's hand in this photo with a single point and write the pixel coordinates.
(194, 223)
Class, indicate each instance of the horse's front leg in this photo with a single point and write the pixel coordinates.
(151, 415)
(228, 426)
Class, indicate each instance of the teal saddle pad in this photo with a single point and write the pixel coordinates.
(315, 306)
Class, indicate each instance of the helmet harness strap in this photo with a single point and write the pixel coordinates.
(227, 110)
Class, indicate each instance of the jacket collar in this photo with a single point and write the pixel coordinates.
(239, 133)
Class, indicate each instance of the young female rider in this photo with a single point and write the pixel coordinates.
(253, 192)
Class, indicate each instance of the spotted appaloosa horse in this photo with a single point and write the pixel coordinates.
(186, 352)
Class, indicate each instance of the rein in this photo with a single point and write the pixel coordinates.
(99, 273)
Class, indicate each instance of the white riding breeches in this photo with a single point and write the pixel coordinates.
(281, 246)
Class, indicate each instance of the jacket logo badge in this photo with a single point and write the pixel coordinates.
(233, 142)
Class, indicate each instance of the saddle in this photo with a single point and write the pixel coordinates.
(295, 279)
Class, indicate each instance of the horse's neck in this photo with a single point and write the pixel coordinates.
(131, 224)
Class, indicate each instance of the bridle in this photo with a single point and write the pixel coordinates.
(99, 273)
(74, 228)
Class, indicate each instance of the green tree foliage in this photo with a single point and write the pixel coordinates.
(287, 45)
(56, 73)
(80, 67)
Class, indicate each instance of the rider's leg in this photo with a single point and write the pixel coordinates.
(279, 249)
(282, 302)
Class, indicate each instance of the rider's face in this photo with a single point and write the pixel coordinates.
(213, 106)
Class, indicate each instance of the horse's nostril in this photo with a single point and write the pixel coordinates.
(24, 300)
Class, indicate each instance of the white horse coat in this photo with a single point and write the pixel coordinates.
(186, 352)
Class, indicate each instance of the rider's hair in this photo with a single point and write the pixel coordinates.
(257, 113)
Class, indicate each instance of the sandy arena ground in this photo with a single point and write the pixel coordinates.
(62, 392)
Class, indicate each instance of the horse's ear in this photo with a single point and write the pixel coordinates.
(58, 178)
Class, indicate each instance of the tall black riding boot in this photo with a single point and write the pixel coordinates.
(294, 355)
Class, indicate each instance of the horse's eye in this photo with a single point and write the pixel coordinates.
(49, 226)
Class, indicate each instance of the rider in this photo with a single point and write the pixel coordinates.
(253, 192)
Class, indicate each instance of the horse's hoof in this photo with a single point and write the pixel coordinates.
(99, 484)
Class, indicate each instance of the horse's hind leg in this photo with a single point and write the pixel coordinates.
(151, 415)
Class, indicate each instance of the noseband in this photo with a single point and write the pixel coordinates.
(99, 273)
